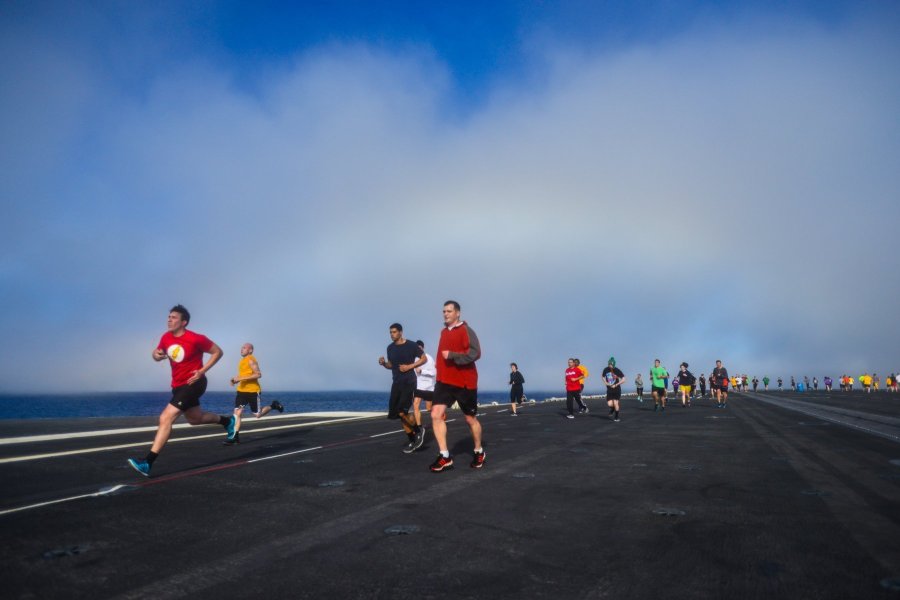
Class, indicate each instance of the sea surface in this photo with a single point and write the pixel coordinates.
(142, 404)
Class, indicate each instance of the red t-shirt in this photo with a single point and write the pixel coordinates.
(573, 379)
(185, 354)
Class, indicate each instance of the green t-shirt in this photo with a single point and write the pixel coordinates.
(658, 376)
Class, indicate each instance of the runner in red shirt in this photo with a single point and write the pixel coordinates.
(185, 350)
(457, 382)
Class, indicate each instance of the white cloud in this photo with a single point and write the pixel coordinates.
(718, 195)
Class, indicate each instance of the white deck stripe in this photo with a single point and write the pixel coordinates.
(51, 437)
(15, 459)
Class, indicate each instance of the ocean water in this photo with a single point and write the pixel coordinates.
(143, 404)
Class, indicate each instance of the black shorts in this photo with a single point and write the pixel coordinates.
(447, 394)
(250, 399)
(659, 390)
(402, 393)
(613, 393)
(426, 395)
(640, 391)
(186, 397)
(515, 394)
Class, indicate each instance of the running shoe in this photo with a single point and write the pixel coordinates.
(232, 441)
(141, 466)
(514, 413)
(419, 439)
(409, 447)
(477, 460)
(656, 408)
(616, 420)
(584, 410)
(230, 427)
(570, 416)
(441, 464)
(276, 405)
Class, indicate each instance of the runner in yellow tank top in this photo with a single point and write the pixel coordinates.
(248, 391)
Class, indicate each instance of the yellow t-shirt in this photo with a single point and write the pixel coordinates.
(244, 369)
(585, 373)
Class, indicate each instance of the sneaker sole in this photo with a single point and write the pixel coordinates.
(444, 468)
(133, 465)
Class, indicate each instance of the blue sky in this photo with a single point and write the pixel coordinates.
(683, 180)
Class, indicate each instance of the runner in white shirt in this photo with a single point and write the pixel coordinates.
(425, 376)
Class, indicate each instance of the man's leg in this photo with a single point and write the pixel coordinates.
(475, 428)
(166, 420)
(196, 416)
(416, 410)
(238, 412)
(439, 426)
(408, 422)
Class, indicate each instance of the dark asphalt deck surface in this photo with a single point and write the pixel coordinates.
(752, 501)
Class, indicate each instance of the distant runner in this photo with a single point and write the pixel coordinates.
(614, 378)
(658, 377)
(572, 378)
(685, 384)
(720, 374)
(639, 387)
(248, 392)
(516, 388)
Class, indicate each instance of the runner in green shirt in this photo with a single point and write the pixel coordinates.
(658, 375)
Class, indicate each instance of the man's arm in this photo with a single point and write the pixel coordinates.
(474, 352)
(419, 362)
(215, 353)
(254, 366)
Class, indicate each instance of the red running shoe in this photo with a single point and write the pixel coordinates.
(441, 464)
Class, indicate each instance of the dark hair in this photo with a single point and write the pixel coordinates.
(420, 343)
(453, 302)
(185, 315)
(514, 365)
(685, 365)
(396, 326)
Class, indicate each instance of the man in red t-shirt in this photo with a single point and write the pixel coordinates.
(457, 383)
(185, 350)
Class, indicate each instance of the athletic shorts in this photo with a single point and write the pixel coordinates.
(685, 388)
(250, 399)
(402, 393)
(613, 393)
(515, 394)
(447, 394)
(659, 390)
(185, 397)
(426, 395)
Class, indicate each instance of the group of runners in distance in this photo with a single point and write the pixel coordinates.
(449, 378)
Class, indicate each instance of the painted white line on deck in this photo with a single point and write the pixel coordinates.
(15, 459)
(102, 492)
(52, 437)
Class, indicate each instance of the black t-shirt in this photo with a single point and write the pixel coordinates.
(686, 378)
(403, 354)
(516, 379)
(720, 375)
(611, 375)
